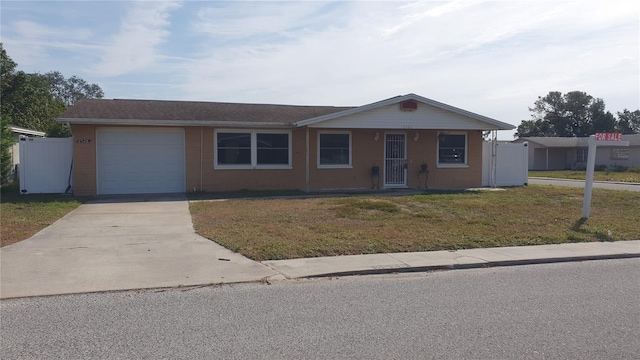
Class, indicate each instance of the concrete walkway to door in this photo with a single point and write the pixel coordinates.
(121, 243)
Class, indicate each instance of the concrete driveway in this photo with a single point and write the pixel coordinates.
(119, 244)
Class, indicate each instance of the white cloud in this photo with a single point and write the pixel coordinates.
(461, 51)
(228, 20)
(134, 47)
(33, 30)
(420, 10)
(490, 57)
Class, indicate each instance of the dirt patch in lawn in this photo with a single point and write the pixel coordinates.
(294, 228)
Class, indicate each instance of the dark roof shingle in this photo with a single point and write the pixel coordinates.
(107, 109)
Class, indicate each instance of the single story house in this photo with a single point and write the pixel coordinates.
(16, 133)
(569, 153)
(149, 146)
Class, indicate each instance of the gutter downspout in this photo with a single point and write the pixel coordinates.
(307, 185)
(70, 181)
(201, 149)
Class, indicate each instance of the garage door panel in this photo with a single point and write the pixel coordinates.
(132, 161)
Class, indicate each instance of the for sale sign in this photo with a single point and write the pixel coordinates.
(599, 139)
(608, 137)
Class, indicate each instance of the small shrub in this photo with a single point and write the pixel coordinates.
(599, 167)
(634, 169)
(618, 168)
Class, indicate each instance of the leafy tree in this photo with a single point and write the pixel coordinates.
(602, 122)
(34, 101)
(574, 114)
(72, 89)
(28, 103)
(6, 140)
(629, 122)
(529, 128)
(7, 69)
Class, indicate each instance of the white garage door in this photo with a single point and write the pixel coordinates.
(140, 161)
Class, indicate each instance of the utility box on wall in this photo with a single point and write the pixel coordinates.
(509, 164)
(45, 165)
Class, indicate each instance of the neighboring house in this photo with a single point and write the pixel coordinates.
(17, 132)
(148, 146)
(567, 153)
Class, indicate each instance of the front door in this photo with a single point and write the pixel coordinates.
(395, 162)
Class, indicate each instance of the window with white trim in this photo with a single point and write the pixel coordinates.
(334, 149)
(452, 149)
(240, 149)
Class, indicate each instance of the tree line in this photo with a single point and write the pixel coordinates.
(575, 114)
(34, 101)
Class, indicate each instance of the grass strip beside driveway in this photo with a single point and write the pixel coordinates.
(21, 216)
(294, 228)
(626, 176)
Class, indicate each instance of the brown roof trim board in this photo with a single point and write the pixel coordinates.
(189, 113)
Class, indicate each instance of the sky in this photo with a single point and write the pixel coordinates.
(494, 58)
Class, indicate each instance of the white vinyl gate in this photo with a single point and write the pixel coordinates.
(508, 165)
(45, 165)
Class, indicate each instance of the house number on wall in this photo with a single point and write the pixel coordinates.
(83, 141)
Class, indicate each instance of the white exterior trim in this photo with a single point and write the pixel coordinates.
(492, 124)
(19, 130)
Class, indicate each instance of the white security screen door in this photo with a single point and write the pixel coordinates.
(395, 152)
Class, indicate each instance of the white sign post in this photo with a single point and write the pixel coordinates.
(599, 139)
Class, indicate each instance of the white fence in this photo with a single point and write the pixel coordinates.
(45, 165)
(507, 166)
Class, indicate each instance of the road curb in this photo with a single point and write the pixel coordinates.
(473, 265)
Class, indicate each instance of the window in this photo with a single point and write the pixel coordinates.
(272, 149)
(252, 149)
(581, 155)
(619, 154)
(452, 149)
(334, 150)
(234, 148)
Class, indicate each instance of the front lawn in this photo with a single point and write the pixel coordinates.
(366, 224)
(626, 176)
(21, 216)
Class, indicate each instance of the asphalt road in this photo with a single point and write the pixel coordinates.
(580, 184)
(586, 310)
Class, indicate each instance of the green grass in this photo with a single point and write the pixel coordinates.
(293, 228)
(626, 176)
(21, 216)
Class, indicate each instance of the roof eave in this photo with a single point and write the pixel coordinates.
(20, 130)
(146, 122)
(497, 125)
